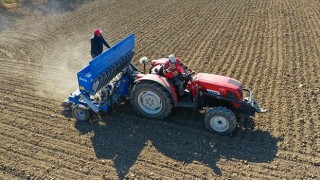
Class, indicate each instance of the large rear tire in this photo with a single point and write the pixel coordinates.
(151, 100)
(220, 120)
(81, 113)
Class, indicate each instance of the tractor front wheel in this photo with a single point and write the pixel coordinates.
(151, 100)
(81, 113)
(220, 120)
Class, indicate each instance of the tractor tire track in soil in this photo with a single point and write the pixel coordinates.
(272, 47)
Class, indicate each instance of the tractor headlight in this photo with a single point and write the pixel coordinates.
(232, 95)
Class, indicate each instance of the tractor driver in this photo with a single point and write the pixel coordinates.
(97, 42)
(172, 69)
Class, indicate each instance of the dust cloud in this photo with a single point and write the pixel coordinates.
(54, 6)
(60, 67)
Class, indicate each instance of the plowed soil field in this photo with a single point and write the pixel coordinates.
(271, 46)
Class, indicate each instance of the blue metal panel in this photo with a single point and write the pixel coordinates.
(103, 62)
(74, 97)
(124, 86)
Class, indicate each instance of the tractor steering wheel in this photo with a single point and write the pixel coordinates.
(187, 76)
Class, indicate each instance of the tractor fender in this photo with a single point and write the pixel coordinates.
(163, 82)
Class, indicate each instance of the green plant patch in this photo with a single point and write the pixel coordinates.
(9, 4)
(9, 1)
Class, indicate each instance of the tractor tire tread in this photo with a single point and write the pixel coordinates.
(222, 111)
(152, 85)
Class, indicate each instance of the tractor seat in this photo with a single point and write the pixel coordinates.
(160, 71)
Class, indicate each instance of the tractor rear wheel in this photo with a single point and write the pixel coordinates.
(81, 113)
(220, 120)
(151, 100)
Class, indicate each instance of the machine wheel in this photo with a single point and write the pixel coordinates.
(81, 113)
(66, 105)
(151, 100)
(220, 120)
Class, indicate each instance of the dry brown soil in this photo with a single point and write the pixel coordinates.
(271, 46)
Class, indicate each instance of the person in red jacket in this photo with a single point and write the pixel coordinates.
(172, 69)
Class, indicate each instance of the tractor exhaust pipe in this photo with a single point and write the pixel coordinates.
(144, 60)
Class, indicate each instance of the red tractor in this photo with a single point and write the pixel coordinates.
(110, 77)
(154, 96)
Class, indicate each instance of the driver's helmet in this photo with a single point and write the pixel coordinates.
(172, 58)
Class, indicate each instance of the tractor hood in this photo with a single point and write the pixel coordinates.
(214, 82)
(225, 88)
(221, 86)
